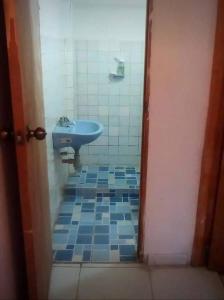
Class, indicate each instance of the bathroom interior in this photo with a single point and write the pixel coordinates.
(93, 55)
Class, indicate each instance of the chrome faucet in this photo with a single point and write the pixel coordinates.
(64, 122)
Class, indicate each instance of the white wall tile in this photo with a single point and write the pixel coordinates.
(58, 91)
(82, 78)
(113, 131)
(123, 140)
(93, 56)
(81, 45)
(114, 100)
(133, 141)
(90, 94)
(124, 110)
(82, 67)
(93, 45)
(81, 55)
(92, 89)
(103, 110)
(93, 68)
(92, 78)
(113, 150)
(113, 140)
(82, 100)
(92, 110)
(124, 131)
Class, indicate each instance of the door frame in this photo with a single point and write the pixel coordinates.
(212, 153)
(145, 131)
(213, 144)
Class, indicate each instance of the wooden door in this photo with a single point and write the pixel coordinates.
(216, 254)
(12, 281)
(145, 130)
(212, 152)
(23, 42)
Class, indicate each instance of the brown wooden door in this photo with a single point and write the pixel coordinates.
(216, 255)
(12, 281)
(23, 42)
(212, 153)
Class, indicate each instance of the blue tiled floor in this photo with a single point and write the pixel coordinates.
(101, 226)
(110, 177)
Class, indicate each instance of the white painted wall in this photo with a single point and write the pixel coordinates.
(105, 20)
(182, 48)
(55, 18)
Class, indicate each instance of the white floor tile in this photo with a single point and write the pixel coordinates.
(186, 284)
(114, 283)
(64, 282)
(113, 265)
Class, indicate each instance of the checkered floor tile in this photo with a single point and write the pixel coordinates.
(110, 177)
(100, 227)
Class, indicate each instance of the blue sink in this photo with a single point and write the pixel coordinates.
(76, 134)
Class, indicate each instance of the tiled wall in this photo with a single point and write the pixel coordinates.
(91, 94)
(54, 94)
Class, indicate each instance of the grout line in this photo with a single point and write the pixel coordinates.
(150, 281)
(77, 289)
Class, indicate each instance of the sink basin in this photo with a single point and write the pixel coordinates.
(76, 134)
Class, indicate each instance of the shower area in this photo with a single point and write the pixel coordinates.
(92, 55)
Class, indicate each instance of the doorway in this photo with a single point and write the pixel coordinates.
(93, 78)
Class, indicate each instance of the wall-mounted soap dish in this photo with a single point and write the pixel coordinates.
(120, 70)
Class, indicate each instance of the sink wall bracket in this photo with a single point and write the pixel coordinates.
(77, 161)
